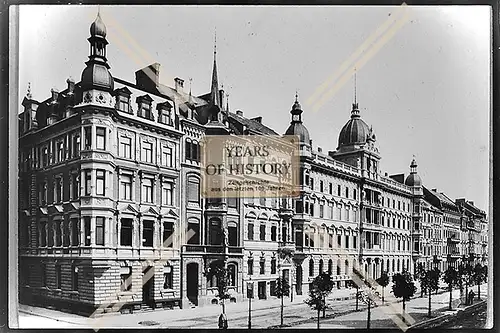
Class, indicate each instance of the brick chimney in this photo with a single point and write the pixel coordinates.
(179, 84)
(71, 86)
(239, 113)
(320, 150)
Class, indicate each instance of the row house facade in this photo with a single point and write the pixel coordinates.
(111, 216)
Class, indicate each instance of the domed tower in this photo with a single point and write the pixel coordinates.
(413, 178)
(357, 144)
(297, 127)
(97, 82)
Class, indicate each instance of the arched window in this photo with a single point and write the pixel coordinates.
(193, 189)
(311, 267)
(346, 267)
(398, 265)
(231, 273)
(338, 267)
(393, 266)
(330, 266)
(320, 266)
(188, 149)
(250, 266)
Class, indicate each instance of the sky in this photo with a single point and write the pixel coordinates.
(423, 84)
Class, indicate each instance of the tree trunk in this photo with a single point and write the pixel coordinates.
(466, 293)
(281, 309)
(429, 312)
(404, 309)
(383, 289)
(369, 315)
(479, 291)
(318, 316)
(357, 299)
(324, 307)
(451, 291)
(223, 306)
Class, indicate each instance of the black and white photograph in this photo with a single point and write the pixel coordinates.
(251, 167)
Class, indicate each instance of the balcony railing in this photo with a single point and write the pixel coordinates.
(218, 249)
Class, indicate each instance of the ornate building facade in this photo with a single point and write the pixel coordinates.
(111, 217)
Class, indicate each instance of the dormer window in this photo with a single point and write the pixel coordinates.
(123, 100)
(165, 113)
(144, 110)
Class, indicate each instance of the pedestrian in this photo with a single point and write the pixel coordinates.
(471, 296)
(222, 321)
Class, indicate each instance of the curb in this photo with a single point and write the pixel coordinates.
(48, 317)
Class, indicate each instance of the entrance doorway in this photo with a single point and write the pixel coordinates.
(192, 282)
(298, 285)
(147, 286)
(262, 290)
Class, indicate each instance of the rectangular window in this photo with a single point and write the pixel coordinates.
(147, 190)
(76, 145)
(75, 178)
(347, 192)
(57, 227)
(147, 152)
(126, 232)
(321, 186)
(75, 232)
(125, 149)
(338, 190)
(321, 210)
(88, 182)
(194, 230)
(166, 156)
(262, 266)
(166, 196)
(99, 231)
(250, 231)
(126, 187)
(125, 278)
(60, 151)
(86, 225)
(273, 266)
(193, 190)
(51, 234)
(100, 182)
(262, 232)
(87, 132)
(339, 241)
(43, 234)
(66, 233)
(168, 233)
(346, 241)
(147, 234)
(45, 157)
(331, 188)
(354, 242)
(146, 110)
(354, 194)
(59, 190)
(273, 233)
(123, 102)
(168, 277)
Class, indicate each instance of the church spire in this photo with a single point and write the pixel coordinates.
(214, 91)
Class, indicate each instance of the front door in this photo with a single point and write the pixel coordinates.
(192, 282)
(262, 290)
(147, 286)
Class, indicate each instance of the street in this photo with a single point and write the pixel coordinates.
(265, 313)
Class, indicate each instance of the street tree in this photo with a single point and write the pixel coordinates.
(431, 283)
(403, 287)
(419, 276)
(319, 288)
(383, 281)
(465, 271)
(451, 278)
(222, 279)
(479, 276)
(282, 290)
(352, 284)
(367, 298)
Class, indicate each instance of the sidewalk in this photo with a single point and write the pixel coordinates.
(381, 316)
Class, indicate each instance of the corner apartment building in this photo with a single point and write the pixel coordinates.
(112, 219)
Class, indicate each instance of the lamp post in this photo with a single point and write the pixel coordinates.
(250, 296)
